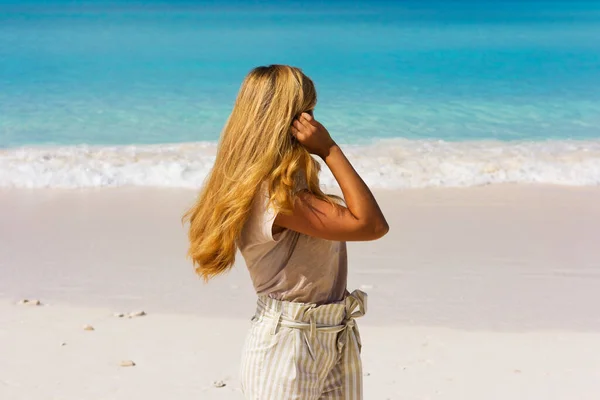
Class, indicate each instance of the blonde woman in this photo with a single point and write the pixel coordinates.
(263, 198)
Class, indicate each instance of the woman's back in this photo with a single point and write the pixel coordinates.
(291, 266)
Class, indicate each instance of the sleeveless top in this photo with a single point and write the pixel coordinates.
(289, 265)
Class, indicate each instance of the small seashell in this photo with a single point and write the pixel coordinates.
(88, 328)
(127, 363)
(219, 384)
(30, 302)
(118, 315)
(136, 314)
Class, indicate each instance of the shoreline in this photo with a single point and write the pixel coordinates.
(383, 163)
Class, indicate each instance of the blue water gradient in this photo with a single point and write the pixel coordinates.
(163, 72)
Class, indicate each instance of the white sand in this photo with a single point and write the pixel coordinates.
(480, 293)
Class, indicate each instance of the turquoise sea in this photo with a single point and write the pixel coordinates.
(420, 93)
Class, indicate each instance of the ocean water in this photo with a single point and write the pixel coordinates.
(419, 93)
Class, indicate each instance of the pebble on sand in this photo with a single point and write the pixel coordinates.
(88, 328)
(219, 384)
(136, 314)
(30, 302)
(127, 363)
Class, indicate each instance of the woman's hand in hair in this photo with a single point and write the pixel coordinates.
(361, 219)
(312, 135)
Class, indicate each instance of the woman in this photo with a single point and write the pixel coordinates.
(263, 198)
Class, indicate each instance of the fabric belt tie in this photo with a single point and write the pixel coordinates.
(355, 307)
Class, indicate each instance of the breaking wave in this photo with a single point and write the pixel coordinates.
(395, 163)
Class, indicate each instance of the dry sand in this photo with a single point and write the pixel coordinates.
(480, 293)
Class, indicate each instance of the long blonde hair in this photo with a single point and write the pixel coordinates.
(256, 146)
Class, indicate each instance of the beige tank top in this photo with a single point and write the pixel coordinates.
(291, 266)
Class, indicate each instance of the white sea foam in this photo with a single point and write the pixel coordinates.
(394, 163)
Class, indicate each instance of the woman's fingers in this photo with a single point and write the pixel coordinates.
(305, 121)
(299, 134)
(298, 125)
(307, 116)
(311, 134)
(302, 126)
(306, 125)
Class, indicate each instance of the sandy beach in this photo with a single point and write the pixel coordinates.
(488, 292)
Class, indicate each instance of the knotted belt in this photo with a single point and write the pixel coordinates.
(355, 307)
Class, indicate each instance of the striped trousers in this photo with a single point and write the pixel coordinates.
(297, 351)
